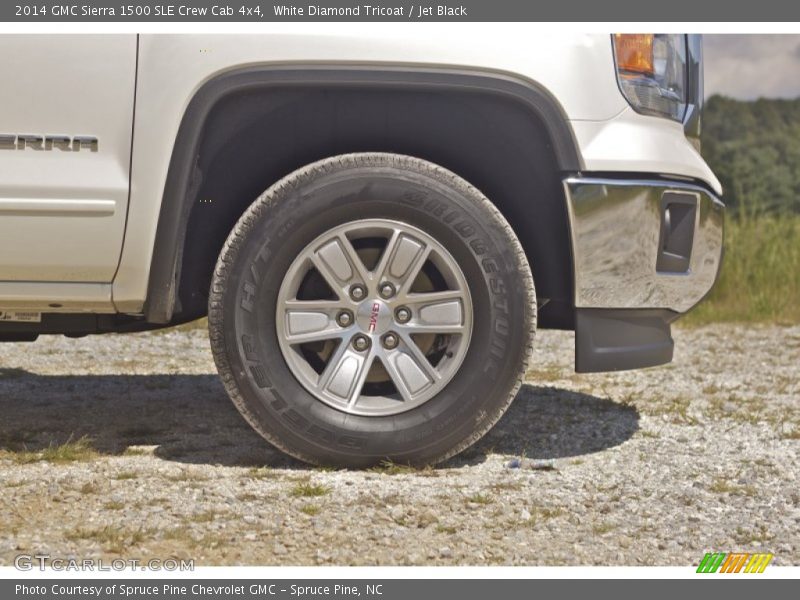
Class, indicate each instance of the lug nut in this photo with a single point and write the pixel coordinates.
(386, 290)
(344, 318)
(358, 292)
(361, 343)
(390, 341)
(402, 314)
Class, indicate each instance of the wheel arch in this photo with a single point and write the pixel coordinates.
(261, 117)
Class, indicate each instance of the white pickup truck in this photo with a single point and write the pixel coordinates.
(375, 218)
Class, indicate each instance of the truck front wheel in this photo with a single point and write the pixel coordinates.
(372, 307)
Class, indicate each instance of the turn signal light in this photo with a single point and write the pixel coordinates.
(634, 52)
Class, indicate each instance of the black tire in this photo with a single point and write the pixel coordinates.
(310, 201)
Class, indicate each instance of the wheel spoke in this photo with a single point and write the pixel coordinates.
(388, 362)
(411, 274)
(338, 263)
(383, 262)
(364, 367)
(410, 371)
(420, 328)
(345, 373)
(402, 259)
(436, 312)
(310, 321)
(338, 286)
(333, 363)
(318, 335)
(426, 298)
(323, 306)
(409, 347)
(354, 259)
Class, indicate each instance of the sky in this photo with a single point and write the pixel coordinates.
(752, 66)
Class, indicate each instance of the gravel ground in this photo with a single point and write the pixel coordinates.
(649, 467)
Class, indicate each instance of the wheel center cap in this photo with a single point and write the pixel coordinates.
(373, 317)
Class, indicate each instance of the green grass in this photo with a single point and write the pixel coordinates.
(542, 513)
(304, 489)
(311, 509)
(112, 539)
(790, 434)
(204, 517)
(722, 485)
(387, 467)
(72, 451)
(760, 278)
(79, 450)
(747, 536)
(131, 451)
(603, 528)
(89, 488)
(262, 473)
(479, 499)
(187, 477)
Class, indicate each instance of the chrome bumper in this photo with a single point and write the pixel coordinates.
(641, 244)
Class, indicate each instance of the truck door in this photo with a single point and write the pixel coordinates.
(66, 115)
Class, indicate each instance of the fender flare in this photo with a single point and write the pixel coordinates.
(177, 198)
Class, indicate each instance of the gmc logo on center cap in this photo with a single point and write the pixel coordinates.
(373, 316)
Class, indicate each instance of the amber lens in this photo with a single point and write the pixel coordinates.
(634, 52)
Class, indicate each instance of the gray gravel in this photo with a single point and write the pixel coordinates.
(648, 467)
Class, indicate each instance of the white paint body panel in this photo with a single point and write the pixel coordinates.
(58, 297)
(577, 69)
(62, 212)
(631, 142)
